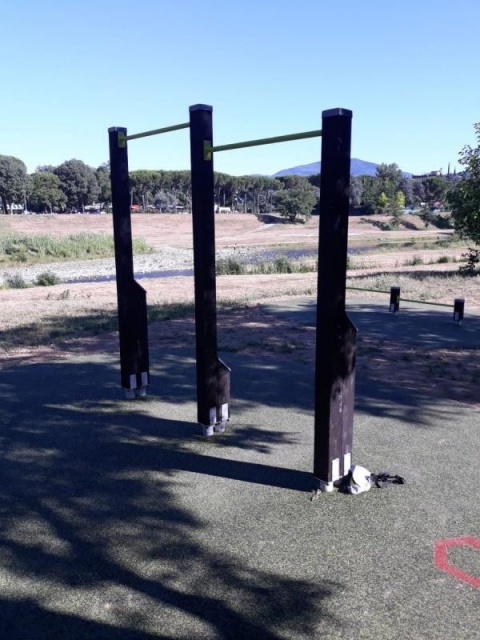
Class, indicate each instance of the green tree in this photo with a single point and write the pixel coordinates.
(418, 193)
(78, 183)
(314, 180)
(396, 206)
(406, 187)
(144, 185)
(102, 173)
(391, 178)
(382, 202)
(13, 182)
(436, 189)
(464, 198)
(371, 189)
(45, 193)
(295, 201)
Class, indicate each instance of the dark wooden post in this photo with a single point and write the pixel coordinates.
(336, 334)
(213, 376)
(458, 310)
(132, 304)
(394, 299)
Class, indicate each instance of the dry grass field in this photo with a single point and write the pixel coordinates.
(41, 323)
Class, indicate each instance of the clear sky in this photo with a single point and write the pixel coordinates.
(70, 69)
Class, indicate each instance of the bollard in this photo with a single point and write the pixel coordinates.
(458, 308)
(394, 299)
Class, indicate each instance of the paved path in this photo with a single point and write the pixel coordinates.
(118, 521)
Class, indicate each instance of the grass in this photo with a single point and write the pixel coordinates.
(415, 261)
(282, 264)
(28, 249)
(427, 286)
(58, 329)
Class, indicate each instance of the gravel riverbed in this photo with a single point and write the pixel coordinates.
(167, 260)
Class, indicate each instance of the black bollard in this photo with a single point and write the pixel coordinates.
(394, 299)
(458, 308)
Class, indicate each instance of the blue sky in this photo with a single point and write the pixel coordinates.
(69, 70)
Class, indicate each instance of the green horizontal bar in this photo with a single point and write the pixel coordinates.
(155, 132)
(257, 143)
(435, 304)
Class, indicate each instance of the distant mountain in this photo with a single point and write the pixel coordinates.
(357, 168)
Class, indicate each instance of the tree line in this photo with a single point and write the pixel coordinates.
(74, 186)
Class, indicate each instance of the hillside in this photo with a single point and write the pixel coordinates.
(357, 168)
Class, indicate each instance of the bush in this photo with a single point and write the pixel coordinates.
(15, 281)
(472, 258)
(47, 279)
(229, 267)
(282, 265)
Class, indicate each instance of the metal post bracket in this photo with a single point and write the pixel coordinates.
(121, 139)
(207, 150)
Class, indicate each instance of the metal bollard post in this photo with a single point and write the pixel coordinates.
(458, 308)
(394, 299)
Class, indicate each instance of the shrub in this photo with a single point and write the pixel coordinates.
(472, 258)
(229, 267)
(15, 281)
(282, 265)
(47, 279)
(416, 260)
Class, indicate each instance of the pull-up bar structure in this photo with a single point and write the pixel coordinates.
(336, 334)
(213, 375)
(132, 299)
(262, 141)
(156, 132)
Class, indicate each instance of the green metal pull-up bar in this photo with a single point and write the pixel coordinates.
(256, 143)
(155, 132)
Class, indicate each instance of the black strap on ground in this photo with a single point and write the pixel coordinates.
(383, 480)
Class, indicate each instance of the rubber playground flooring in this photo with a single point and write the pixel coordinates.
(118, 520)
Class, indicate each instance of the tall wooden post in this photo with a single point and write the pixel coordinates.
(213, 376)
(132, 304)
(336, 335)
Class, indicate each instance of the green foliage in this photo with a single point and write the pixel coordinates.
(471, 266)
(15, 281)
(45, 193)
(382, 201)
(229, 267)
(415, 261)
(297, 199)
(427, 216)
(24, 248)
(314, 180)
(283, 265)
(13, 181)
(464, 198)
(47, 279)
(79, 184)
(103, 180)
(400, 200)
(391, 178)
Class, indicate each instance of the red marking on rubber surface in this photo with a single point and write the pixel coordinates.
(441, 558)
